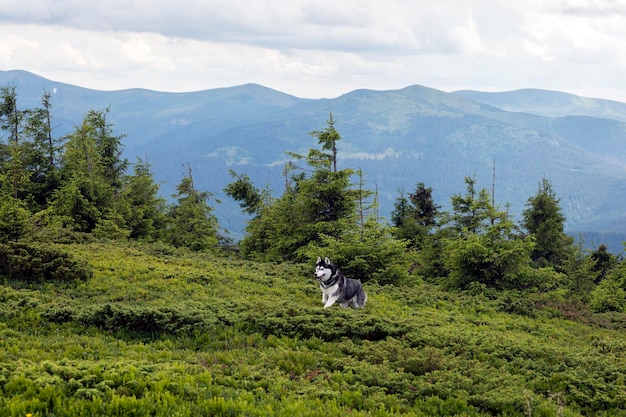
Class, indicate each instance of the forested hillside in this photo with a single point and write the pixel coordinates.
(115, 301)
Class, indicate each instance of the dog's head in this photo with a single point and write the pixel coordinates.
(324, 269)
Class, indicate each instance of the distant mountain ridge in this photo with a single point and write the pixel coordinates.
(549, 103)
(397, 137)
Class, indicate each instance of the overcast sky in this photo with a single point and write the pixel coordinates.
(321, 48)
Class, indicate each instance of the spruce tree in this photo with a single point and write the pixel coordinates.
(250, 198)
(108, 146)
(13, 151)
(543, 220)
(473, 211)
(191, 220)
(42, 154)
(317, 200)
(415, 216)
(86, 195)
(483, 246)
(143, 211)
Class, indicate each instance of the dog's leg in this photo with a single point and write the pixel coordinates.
(324, 297)
(331, 300)
(360, 300)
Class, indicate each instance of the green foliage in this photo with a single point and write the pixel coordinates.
(496, 258)
(517, 302)
(544, 220)
(14, 219)
(608, 296)
(250, 198)
(472, 212)
(603, 262)
(42, 154)
(161, 331)
(81, 201)
(413, 218)
(108, 147)
(109, 227)
(373, 255)
(33, 263)
(610, 293)
(191, 221)
(311, 206)
(143, 211)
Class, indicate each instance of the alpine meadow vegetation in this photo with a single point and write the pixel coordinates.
(117, 302)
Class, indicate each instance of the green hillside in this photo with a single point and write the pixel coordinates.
(154, 331)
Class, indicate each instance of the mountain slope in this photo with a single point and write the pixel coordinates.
(398, 138)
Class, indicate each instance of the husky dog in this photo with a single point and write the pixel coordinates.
(336, 288)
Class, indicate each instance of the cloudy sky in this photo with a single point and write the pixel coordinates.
(321, 48)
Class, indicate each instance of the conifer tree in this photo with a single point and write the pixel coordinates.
(312, 204)
(86, 195)
(415, 216)
(12, 152)
(42, 154)
(250, 198)
(543, 219)
(191, 221)
(14, 217)
(483, 246)
(143, 211)
(603, 262)
(472, 212)
(108, 146)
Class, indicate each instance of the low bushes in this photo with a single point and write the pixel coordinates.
(33, 263)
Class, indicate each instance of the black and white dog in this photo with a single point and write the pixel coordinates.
(336, 288)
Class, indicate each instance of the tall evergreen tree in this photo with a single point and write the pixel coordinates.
(12, 153)
(143, 211)
(10, 116)
(327, 138)
(484, 246)
(472, 212)
(108, 147)
(42, 154)
(311, 205)
(543, 219)
(192, 223)
(415, 216)
(86, 195)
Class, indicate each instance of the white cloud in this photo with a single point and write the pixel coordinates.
(320, 48)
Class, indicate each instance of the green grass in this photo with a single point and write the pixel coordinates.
(158, 332)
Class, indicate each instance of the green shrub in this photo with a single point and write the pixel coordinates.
(138, 319)
(35, 264)
(14, 218)
(608, 296)
(517, 302)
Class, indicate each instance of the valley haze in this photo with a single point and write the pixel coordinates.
(397, 137)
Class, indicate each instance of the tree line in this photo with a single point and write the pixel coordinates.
(79, 186)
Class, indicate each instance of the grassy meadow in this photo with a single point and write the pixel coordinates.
(160, 332)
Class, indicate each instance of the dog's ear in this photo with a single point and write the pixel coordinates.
(327, 260)
(319, 259)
